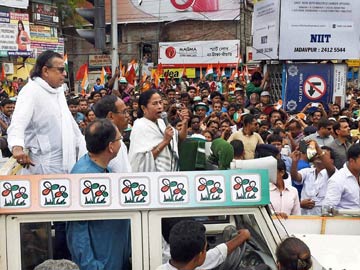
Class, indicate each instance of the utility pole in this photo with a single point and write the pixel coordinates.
(114, 41)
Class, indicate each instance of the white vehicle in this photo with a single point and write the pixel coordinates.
(31, 205)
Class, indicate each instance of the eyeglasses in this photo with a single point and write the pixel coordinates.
(124, 112)
(118, 139)
(60, 69)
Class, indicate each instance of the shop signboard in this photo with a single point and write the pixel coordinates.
(99, 60)
(45, 14)
(199, 53)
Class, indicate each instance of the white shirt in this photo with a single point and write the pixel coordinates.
(343, 191)
(286, 201)
(214, 257)
(43, 124)
(314, 188)
(120, 164)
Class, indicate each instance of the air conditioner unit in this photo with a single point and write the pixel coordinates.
(9, 68)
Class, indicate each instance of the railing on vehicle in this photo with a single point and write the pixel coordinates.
(139, 197)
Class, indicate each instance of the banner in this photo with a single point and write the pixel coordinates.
(305, 83)
(177, 72)
(45, 38)
(15, 3)
(14, 34)
(196, 53)
(266, 30)
(320, 29)
(340, 72)
(130, 11)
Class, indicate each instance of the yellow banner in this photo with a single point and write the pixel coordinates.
(353, 63)
(177, 72)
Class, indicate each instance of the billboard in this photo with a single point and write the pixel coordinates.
(14, 34)
(266, 30)
(199, 53)
(175, 10)
(319, 29)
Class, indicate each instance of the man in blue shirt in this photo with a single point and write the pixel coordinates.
(99, 244)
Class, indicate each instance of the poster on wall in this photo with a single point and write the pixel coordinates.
(14, 34)
(319, 29)
(307, 83)
(175, 10)
(266, 30)
(45, 38)
(197, 53)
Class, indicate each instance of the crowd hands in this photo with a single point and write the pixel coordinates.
(245, 116)
(239, 119)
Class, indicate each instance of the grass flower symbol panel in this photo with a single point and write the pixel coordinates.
(15, 194)
(55, 192)
(95, 191)
(134, 191)
(174, 189)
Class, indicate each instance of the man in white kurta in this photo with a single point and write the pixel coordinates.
(42, 122)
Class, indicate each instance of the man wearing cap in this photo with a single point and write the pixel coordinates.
(257, 84)
(200, 110)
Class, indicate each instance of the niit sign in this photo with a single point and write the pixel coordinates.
(320, 38)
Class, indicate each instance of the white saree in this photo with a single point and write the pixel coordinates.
(145, 135)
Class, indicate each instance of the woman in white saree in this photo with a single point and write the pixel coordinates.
(153, 144)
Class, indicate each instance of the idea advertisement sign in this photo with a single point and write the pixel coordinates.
(197, 53)
(305, 83)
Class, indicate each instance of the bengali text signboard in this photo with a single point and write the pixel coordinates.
(197, 53)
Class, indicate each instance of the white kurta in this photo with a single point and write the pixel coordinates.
(43, 124)
(120, 164)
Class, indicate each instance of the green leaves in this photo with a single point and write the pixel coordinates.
(134, 185)
(14, 188)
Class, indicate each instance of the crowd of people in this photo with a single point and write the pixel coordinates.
(317, 149)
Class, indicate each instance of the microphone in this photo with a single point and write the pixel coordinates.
(164, 118)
